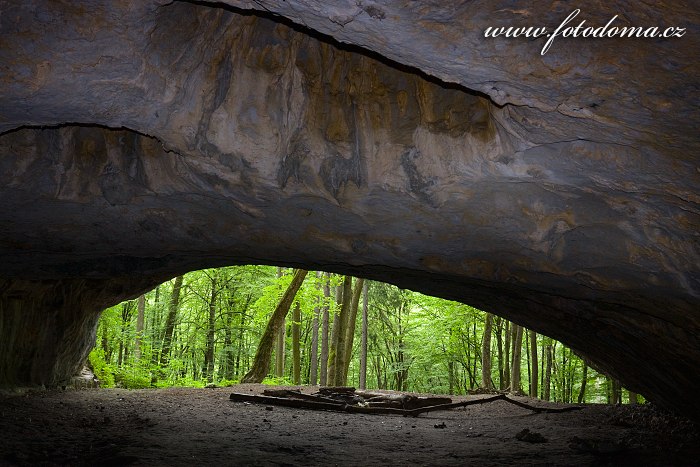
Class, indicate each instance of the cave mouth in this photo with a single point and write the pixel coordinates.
(177, 424)
(205, 328)
(575, 216)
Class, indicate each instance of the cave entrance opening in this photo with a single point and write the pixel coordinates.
(210, 328)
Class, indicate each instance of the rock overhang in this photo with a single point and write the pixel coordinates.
(268, 145)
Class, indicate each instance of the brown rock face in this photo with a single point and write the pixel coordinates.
(145, 139)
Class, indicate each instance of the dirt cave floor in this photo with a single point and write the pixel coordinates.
(203, 427)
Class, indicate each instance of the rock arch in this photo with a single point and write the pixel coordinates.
(144, 139)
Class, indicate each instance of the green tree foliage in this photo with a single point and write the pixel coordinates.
(414, 342)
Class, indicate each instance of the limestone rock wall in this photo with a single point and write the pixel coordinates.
(48, 327)
(145, 139)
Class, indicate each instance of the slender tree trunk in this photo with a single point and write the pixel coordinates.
(632, 397)
(106, 348)
(261, 363)
(542, 360)
(350, 332)
(451, 376)
(313, 370)
(486, 353)
(534, 377)
(335, 358)
(499, 340)
(155, 323)
(616, 391)
(400, 376)
(170, 322)
(226, 369)
(506, 360)
(123, 349)
(156, 334)
(139, 326)
(324, 330)
(548, 374)
(208, 367)
(280, 337)
(584, 380)
(241, 331)
(363, 347)
(296, 347)
(515, 365)
(120, 355)
(334, 334)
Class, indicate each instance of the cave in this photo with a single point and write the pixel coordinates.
(393, 141)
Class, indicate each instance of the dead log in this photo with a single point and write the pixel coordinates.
(336, 390)
(287, 402)
(281, 392)
(340, 406)
(503, 397)
(297, 394)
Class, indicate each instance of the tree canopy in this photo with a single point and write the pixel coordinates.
(208, 326)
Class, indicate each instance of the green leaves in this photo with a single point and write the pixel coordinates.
(415, 342)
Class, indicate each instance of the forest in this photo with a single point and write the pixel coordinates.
(295, 327)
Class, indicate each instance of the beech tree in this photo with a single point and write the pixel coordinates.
(325, 329)
(486, 353)
(515, 365)
(170, 321)
(336, 362)
(533, 363)
(363, 345)
(261, 363)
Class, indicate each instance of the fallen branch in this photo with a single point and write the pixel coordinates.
(339, 406)
(309, 404)
(297, 394)
(503, 397)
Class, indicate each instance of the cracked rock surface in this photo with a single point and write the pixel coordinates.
(562, 191)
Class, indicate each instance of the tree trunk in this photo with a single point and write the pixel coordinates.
(486, 353)
(156, 319)
(296, 345)
(632, 397)
(280, 339)
(324, 330)
(350, 332)
(261, 363)
(170, 322)
(616, 391)
(584, 380)
(548, 374)
(313, 370)
(335, 367)
(515, 365)
(226, 368)
(542, 363)
(534, 377)
(139, 326)
(123, 348)
(451, 376)
(499, 341)
(506, 360)
(363, 347)
(241, 331)
(208, 366)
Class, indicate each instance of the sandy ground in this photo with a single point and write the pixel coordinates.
(203, 427)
